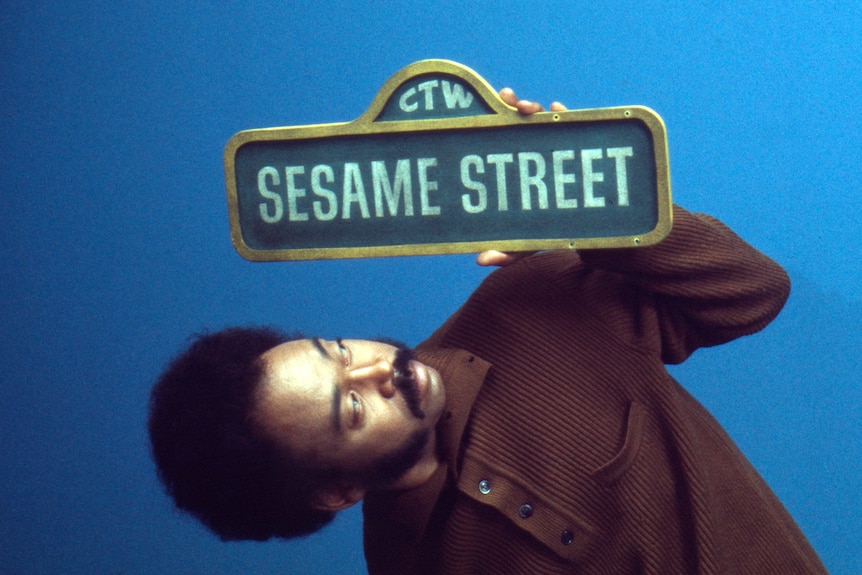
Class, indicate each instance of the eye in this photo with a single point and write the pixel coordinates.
(355, 406)
(344, 352)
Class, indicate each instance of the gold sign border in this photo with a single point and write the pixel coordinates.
(503, 115)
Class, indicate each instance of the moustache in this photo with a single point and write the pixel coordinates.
(405, 381)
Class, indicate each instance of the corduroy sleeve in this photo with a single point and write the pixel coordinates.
(709, 286)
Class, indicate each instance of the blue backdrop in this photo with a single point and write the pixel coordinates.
(114, 239)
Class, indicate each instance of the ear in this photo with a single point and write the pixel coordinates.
(337, 497)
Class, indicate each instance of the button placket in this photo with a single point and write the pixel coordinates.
(567, 536)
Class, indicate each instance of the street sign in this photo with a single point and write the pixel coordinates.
(439, 164)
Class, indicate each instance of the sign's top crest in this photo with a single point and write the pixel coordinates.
(432, 96)
(434, 89)
(438, 163)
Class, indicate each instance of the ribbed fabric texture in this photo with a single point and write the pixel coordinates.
(621, 470)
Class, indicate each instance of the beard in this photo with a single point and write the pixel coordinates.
(387, 469)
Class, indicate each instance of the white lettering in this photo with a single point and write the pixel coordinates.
(318, 172)
(428, 88)
(529, 180)
(500, 161)
(454, 94)
(426, 186)
(391, 192)
(620, 155)
(293, 192)
(404, 104)
(354, 191)
(392, 182)
(591, 177)
(561, 178)
(470, 184)
(277, 204)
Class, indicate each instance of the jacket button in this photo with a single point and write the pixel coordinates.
(525, 511)
(484, 487)
(567, 537)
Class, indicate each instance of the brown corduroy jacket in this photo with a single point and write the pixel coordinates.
(568, 448)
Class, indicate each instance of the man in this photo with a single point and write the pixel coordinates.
(536, 431)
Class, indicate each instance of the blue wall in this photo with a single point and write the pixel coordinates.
(115, 242)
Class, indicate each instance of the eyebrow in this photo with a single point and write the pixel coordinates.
(318, 345)
(336, 391)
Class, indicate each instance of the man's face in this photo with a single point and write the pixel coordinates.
(347, 404)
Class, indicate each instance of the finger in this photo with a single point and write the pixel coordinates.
(491, 258)
(526, 107)
(557, 107)
(502, 259)
(508, 96)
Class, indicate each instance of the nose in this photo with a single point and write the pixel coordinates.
(379, 374)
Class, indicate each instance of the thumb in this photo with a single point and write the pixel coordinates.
(502, 259)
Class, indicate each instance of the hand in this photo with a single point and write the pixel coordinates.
(493, 257)
(527, 107)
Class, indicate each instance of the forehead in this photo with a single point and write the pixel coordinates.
(293, 356)
(297, 367)
(297, 387)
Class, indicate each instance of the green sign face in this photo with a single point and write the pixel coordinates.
(439, 164)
